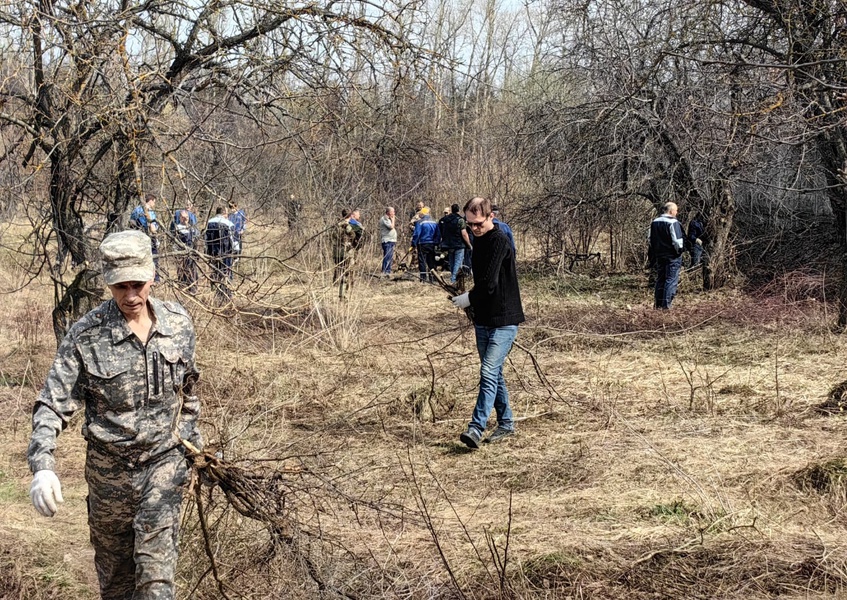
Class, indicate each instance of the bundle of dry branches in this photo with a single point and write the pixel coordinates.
(291, 502)
(454, 289)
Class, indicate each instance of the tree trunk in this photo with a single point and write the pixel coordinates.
(717, 263)
(86, 289)
(832, 148)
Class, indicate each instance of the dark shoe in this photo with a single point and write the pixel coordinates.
(499, 434)
(471, 438)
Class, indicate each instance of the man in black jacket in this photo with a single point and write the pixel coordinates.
(454, 239)
(219, 246)
(666, 245)
(497, 311)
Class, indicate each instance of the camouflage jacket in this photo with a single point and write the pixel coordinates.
(134, 394)
(344, 239)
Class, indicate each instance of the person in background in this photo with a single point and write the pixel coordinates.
(495, 210)
(238, 218)
(425, 238)
(220, 237)
(665, 253)
(143, 218)
(358, 228)
(192, 216)
(187, 237)
(497, 311)
(454, 239)
(696, 231)
(345, 237)
(420, 211)
(388, 238)
(129, 365)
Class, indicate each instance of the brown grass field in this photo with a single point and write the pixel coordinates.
(672, 455)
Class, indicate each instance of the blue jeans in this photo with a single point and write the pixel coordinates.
(493, 345)
(387, 256)
(667, 278)
(696, 254)
(455, 258)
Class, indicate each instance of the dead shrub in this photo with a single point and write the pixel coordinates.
(828, 478)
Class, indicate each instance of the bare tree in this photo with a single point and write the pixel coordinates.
(90, 96)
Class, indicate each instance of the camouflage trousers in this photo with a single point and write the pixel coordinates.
(133, 515)
(343, 273)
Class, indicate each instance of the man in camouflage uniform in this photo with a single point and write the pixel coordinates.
(130, 364)
(345, 238)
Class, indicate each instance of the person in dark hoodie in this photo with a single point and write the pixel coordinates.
(497, 311)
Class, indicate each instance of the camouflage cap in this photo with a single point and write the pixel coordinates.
(127, 256)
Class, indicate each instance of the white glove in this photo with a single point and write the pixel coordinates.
(45, 492)
(461, 301)
(698, 241)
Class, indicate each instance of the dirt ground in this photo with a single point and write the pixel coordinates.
(658, 455)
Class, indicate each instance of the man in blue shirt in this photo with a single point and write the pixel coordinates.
(192, 216)
(238, 218)
(186, 235)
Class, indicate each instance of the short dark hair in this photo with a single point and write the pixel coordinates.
(455, 208)
(479, 206)
(219, 210)
(344, 213)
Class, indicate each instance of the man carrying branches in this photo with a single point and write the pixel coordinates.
(130, 364)
(497, 311)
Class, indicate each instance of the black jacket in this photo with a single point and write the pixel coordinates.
(666, 239)
(451, 228)
(495, 297)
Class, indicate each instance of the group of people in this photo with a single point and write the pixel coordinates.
(450, 235)
(474, 238)
(222, 240)
(666, 245)
(129, 365)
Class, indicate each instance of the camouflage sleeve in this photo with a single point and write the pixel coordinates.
(188, 426)
(54, 406)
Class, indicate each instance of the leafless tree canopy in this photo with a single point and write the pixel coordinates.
(578, 119)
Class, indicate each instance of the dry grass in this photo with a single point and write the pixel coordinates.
(659, 455)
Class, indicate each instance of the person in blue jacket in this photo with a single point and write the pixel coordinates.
(495, 210)
(425, 238)
(192, 216)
